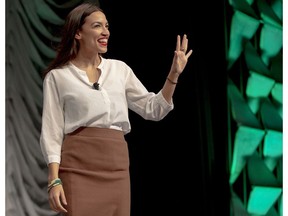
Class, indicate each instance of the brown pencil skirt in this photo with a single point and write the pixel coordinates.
(94, 170)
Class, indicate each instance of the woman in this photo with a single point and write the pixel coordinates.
(85, 117)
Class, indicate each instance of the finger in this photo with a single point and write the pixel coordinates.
(189, 54)
(59, 206)
(52, 204)
(63, 198)
(184, 43)
(178, 44)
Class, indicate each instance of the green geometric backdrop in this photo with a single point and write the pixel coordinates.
(254, 57)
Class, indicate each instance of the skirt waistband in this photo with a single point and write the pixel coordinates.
(96, 131)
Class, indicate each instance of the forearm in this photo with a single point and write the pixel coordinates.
(53, 171)
(169, 86)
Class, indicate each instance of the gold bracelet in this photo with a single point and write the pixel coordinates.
(54, 183)
(174, 83)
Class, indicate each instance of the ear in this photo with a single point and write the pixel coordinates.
(78, 35)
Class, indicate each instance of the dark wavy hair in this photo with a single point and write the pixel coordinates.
(68, 47)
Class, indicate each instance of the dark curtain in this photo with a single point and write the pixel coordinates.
(178, 165)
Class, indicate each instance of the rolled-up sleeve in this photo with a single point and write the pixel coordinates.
(147, 104)
(52, 134)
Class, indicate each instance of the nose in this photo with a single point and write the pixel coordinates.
(106, 31)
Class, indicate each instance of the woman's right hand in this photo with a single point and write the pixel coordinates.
(57, 199)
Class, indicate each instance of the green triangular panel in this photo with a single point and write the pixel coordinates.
(254, 61)
(271, 163)
(277, 7)
(262, 199)
(272, 212)
(273, 144)
(254, 104)
(259, 174)
(243, 6)
(241, 112)
(238, 209)
(269, 14)
(280, 170)
(277, 67)
(259, 85)
(277, 98)
(245, 144)
(270, 116)
(277, 92)
(243, 27)
(270, 42)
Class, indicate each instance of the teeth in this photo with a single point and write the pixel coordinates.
(103, 40)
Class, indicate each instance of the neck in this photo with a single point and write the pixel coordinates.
(83, 61)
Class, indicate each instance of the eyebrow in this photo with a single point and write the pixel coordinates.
(99, 22)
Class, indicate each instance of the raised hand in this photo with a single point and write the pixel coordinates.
(180, 55)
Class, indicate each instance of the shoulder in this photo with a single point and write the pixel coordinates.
(57, 73)
(60, 70)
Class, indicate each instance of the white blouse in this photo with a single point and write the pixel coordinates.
(70, 101)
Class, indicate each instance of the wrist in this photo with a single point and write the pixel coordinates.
(171, 81)
(52, 177)
(53, 183)
(173, 77)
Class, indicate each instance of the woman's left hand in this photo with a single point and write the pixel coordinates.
(180, 55)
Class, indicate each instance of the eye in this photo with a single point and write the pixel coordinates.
(96, 26)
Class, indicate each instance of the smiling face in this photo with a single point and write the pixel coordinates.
(94, 34)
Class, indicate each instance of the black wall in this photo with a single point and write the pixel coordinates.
(178, 165)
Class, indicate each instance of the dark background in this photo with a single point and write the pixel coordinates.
(178, 165)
